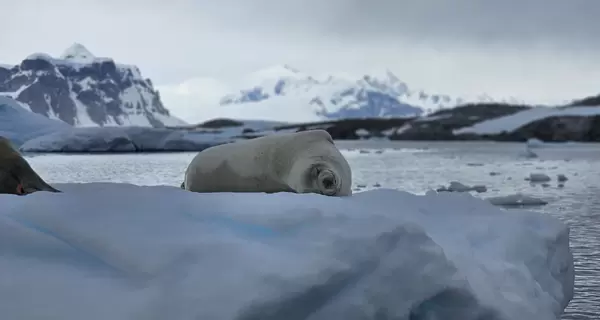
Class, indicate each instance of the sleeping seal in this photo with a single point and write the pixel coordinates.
(16, 176)
(302, 162)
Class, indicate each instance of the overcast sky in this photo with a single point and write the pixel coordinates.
(540, 50)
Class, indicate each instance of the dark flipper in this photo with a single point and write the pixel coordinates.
(30, 180)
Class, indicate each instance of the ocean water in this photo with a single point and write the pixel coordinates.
(418, 167)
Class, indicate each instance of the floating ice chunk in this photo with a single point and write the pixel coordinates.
(516, 200)
(527, 153)
(118, 251)
(538, 177)
(475, 164)
(456, 186)
(362, 133)
(534, 143)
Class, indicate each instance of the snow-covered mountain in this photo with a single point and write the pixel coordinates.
(85, 91)
(284, 93)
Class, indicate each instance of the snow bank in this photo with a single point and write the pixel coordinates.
(517, 120)
(118, 251)
(19, 124)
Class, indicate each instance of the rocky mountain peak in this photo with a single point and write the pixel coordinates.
(78, 53)
(84, 90)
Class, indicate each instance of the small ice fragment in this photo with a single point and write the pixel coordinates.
(516, 200)
(538, 177)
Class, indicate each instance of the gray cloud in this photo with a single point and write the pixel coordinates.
(573, 22)
(535, 48)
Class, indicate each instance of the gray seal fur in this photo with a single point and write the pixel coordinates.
(301, 162)
(15, 171)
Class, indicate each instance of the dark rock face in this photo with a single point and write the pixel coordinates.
(368, 103)
(440, 125)
(558, 129)
(95, 93)
(347, 129)
(589, 101)
(218, 131)
(4, 73)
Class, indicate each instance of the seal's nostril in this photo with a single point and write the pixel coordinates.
(328, 183)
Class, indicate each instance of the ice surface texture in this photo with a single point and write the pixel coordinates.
(119, 251)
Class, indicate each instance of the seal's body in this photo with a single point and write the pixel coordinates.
(16, 175)
(302, 162)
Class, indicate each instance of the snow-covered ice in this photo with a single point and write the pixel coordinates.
(136, 139)
(517, 120)
(19, 124)
(120, 251)
(124, 139)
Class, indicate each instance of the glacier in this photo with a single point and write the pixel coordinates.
(124, 139)
(143, 139)
(19, 125)
(121, 251)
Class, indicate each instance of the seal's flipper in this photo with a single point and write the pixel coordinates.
(29, 179)
(9, 184)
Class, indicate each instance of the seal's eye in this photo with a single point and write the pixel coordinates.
(316, 171)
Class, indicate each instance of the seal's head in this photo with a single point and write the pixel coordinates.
(16, 176)
(330, 176)
(316, 165)
(325, 180)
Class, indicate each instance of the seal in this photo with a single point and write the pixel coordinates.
(301, 162)
(16, 175)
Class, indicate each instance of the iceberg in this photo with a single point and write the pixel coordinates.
(19, 124)
(121, 251)
(144, 139)
(123, 139)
